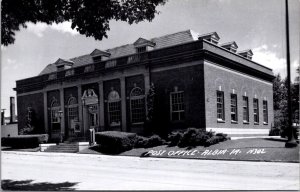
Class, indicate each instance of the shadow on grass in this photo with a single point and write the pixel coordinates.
(27, 185)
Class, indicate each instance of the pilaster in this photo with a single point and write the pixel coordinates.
(45, 112)
(101, 107)
(123, 104)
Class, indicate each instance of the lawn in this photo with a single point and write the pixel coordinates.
(252, 149)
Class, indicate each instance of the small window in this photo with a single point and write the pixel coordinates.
(60, 67)
(69, 73)
(177, 105)
(52, 76)
(141, 49)
(110, 63)
(137, 105)
(245, 109)
(220, 106)
(89, 68)
(265, 111)
(233, 106)
(255, 110)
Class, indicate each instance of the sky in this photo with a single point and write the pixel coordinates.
(253, 24)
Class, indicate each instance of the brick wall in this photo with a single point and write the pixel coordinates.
(187, 79)
(216, 76)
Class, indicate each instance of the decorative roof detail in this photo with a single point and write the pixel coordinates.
(60, 62)
(98, 52)
(246, 53)
(212, 37)
(231, 46)
(141, 42)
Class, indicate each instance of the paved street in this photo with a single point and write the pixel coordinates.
(97, 172)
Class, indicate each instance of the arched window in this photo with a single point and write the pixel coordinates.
(72, 108)
(137, 105)
(54, 118)
(114, 108)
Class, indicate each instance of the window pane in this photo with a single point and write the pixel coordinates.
(233, 107)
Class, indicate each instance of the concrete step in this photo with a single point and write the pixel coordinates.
(63, 148)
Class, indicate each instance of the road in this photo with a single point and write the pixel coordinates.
(98, 172)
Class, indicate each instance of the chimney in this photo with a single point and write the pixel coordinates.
(12, 110)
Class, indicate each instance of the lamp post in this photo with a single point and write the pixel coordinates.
(60, 114)
(291, 139)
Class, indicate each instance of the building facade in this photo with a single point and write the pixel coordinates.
(198, 83)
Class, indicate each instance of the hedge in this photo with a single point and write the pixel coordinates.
(144, 142)
(24, 141)
(114, 141)
(193, 137)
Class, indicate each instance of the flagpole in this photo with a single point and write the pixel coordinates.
(291, 139)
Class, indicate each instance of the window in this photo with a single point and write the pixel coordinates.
(52, 76)
(72, 113)
(55, 107)
(245, 109)
(233, 106)
(141, 49)
(177, 105)
(255, 110)
(89, 68)
(137, 105)
(114, 108)
(110, 63)
(265, 111)
(54, 115)
(220, 106)
(69, 72)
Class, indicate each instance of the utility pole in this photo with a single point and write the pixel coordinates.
(291, 139)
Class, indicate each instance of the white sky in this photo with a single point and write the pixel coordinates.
(254, 24)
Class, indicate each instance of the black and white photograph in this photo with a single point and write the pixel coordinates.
(150, 95)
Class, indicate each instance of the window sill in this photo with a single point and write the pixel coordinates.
(139, 123)
(245, 122)
(255, 123)
(265, 123)
(234, 122)
(220, 121)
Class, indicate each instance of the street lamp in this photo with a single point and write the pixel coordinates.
(291, 139)
(60, 115)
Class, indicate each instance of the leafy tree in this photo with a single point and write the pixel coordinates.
(88, 17)
(280, 103)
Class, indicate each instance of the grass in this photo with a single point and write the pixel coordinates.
(252, 149)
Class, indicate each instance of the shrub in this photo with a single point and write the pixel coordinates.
(275, 131)
(193, 137)
(114, 141)
(24, 141)
(174, 138)
(144, 142)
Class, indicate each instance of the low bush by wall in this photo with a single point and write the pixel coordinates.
(114, 141)
(24, 141)
(144, 142)
(193, 137)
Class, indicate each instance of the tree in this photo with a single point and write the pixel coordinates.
(280, 103)
(88, 17)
